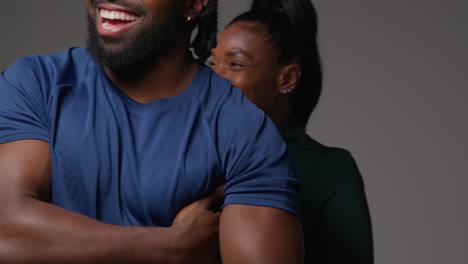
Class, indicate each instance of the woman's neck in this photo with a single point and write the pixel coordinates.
(281, 110)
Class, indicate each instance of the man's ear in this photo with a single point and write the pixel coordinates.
(195, 7)
(289, 78)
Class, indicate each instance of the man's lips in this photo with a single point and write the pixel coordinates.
(114, 20)
(117, 15)
(119, 8)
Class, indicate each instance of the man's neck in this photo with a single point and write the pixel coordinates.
(168, 77)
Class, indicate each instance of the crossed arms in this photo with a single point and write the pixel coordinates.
(35, 231)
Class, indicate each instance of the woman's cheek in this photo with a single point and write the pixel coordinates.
(239, 81)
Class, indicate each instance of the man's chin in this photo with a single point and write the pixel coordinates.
(123, 61)
(112, 46)
(110, 52)
(135, 51)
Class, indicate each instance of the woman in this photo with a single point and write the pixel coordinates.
(271, 54)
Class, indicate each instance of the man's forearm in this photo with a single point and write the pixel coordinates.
(38, 232)
(33, 231)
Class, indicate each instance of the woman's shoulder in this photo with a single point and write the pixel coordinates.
(337, 157)
(315, 162)
(314, 159)
(325, 170)
(301, 146)
(320, 156)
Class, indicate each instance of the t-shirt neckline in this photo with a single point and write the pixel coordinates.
(168, 102)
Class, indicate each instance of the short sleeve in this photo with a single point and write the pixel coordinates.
(254, 157)
(22, 103)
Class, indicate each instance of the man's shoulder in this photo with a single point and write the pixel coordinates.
(57, 67)
(224, 102)
(210, 87)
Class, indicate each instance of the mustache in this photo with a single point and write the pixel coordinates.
(140, 9)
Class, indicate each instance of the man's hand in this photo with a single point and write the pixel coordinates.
(197, 229)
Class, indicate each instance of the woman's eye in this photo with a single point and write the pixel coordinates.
(236, 64)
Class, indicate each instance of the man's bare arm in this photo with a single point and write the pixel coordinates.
(34, 231)
(255, 234)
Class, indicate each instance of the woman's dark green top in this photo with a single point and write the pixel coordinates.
(335, 214)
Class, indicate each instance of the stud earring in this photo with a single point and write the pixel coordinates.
(288, 90)
(189, 18)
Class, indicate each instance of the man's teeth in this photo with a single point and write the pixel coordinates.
(116, 15)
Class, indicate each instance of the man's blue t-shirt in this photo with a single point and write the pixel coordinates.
(128, 163)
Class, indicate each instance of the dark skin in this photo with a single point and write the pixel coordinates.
(250, 61)
(35, 231)
(174, 70)
(246, 56)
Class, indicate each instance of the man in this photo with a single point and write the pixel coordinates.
(101, 149)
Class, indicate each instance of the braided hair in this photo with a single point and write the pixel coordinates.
(207, 30)
(292, 26)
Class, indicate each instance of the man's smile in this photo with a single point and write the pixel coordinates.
(127, 35)
(114, 20)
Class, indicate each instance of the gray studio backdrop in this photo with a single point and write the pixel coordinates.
(395, 95)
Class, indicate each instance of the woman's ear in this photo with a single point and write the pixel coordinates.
(289, 78)
(194, 8)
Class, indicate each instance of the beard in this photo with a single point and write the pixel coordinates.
(132, 56)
